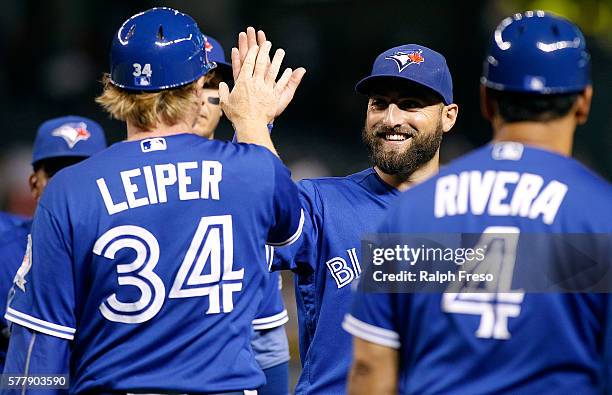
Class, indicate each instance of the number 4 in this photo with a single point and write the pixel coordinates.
(494, 308)
(202, 283)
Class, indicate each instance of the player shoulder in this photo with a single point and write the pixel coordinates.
(334, 183)
(569, 171)
(9, 222)
(251, 153)
(14, 230)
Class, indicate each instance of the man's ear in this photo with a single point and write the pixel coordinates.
(583, 105)
(33, 184)
(200, 82)
(449, 116)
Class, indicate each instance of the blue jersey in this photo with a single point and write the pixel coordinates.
(149, 257)
(269, 340)
(512, 342)
(337, 212)
(272, 312)
(13, 240)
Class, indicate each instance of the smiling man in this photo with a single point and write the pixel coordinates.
(410, 107)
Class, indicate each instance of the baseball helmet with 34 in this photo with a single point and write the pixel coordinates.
(158, 49)
(537, 52)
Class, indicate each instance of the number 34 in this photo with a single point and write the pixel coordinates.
(142, 70)
(211, 233)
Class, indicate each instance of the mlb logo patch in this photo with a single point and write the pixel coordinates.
(507, 151)
(535, 83)
(72, 133)
(154, 144)
(142, 80)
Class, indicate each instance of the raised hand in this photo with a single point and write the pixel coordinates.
(252, 103)
(248, 40)
(253, 97)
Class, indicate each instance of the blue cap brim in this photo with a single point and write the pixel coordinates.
(226, 71)
(364, 85)
(57, 155)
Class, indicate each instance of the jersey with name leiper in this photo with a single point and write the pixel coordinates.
(149, 257)
(510, 341)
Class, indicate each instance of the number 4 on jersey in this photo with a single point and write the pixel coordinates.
(494, 308)
(213, 237)
(212, 233)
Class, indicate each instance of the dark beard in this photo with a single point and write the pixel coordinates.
(402, 163)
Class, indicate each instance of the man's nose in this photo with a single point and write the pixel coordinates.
(392, 116)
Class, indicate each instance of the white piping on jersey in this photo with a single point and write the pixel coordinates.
(28, 360)
(270, 322)
(269, 256)
(48, 328)
(371, 333)
(293, 237)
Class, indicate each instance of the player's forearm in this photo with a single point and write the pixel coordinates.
(254, 133)
(365, 379)
(374, 370)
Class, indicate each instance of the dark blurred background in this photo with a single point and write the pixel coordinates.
(53, 53)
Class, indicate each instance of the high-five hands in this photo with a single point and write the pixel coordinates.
(250, 39)
(257, 98)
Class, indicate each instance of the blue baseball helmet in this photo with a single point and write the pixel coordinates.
(217, 54)
(537, 52)
(158, 49)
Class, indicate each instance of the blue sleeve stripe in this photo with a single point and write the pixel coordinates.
(371, 333)
(295, 236)
(271, 322)
(39, 325)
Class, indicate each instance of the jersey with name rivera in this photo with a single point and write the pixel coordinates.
(509, 341)
(150, 257)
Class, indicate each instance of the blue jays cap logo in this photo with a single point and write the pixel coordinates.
(72, 133)
(404, 59)
(207, 45)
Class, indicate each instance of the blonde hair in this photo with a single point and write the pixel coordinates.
(146, 109)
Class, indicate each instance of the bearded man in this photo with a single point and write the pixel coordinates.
(410, 107)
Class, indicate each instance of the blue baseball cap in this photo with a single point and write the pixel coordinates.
(217, 54)
(68, 136)
(415, 63)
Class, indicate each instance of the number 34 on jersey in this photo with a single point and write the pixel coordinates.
(213, 240)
